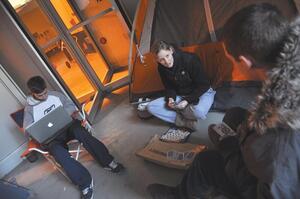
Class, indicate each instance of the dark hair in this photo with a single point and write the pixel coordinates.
(257, 31)
(36, 84)
(161, 45)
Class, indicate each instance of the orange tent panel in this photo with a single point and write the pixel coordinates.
(218, 65)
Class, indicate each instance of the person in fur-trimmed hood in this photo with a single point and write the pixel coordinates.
(263, 160)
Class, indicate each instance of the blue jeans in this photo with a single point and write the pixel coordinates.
(158, 107)
(77, 173)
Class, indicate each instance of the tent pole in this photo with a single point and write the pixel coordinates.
(209, 21)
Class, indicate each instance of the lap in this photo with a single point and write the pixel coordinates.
(206, 173)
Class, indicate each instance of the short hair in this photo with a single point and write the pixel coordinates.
(36, 84)
(257, 31)
(161, 45)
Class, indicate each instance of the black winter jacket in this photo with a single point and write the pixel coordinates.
(186, 78)
(270, 139)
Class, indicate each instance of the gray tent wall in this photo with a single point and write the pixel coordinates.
(184, 23)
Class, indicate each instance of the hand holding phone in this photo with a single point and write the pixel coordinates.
(181, 105)
(223, 130)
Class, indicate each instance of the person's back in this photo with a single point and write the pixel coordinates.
(265, 161)
(274, 158)
(272, 152)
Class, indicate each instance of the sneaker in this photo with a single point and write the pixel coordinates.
(88, 192)
(160, 191)
(114, 167)
(180, 121)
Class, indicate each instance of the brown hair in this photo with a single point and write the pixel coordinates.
(161, 45)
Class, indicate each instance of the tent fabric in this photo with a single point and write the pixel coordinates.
(183, 23)
(233, 94)
(218, 65)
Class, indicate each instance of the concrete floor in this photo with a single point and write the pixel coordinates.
(123, 133)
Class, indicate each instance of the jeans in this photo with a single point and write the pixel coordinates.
(158, 108)
(77, 173)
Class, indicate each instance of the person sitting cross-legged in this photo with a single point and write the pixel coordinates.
(188, 95)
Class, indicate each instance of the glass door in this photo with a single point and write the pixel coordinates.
(77, 41)
(101, 34)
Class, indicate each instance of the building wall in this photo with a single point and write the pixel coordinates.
(12, 141)
(17, 56)
(18, 62)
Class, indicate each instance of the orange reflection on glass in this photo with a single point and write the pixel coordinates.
(90, 51)
(92, 8)
(36, 22)
(119, 75)
(71, 73)
(114, 39)
(65, 12)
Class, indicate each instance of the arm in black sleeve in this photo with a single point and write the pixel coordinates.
(199, 79)
(169, 90)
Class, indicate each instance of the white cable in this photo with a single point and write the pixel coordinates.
(140, 54)
(87, 126)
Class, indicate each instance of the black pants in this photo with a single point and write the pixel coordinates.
(206, 177)
(78, 174)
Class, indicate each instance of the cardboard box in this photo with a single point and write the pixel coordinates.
(173, 155)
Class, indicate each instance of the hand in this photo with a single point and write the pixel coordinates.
(74, 115)
(84, 123)
(182, 104)
(171, 103)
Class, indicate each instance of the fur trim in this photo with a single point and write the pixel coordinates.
(279, 102)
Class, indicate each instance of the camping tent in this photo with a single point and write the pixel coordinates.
(193, 25)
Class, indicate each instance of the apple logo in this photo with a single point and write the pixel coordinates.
(50, 124)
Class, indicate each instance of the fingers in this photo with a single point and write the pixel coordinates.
(182, 104)
(171, 103)
(83, 123)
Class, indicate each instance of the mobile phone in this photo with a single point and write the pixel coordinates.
(224, 130)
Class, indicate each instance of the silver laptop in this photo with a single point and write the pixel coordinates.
(50, 126)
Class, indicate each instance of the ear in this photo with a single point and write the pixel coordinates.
(172, 49)
(247, 61)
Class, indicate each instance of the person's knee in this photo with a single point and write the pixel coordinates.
(201, 113)
(153, 106)
(150, 107)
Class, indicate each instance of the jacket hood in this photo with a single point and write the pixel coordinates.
(31, 101)
(279, 102)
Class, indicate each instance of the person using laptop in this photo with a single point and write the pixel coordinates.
(42, 101)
